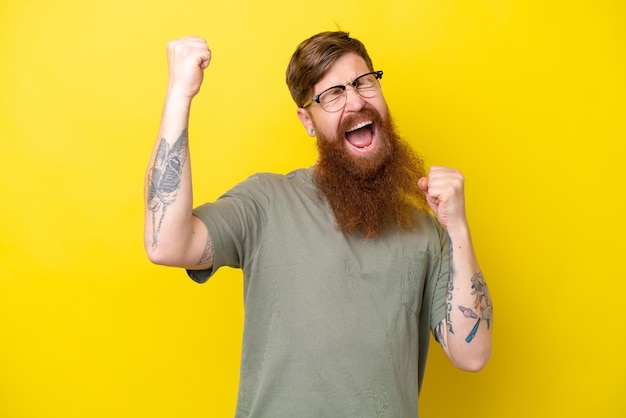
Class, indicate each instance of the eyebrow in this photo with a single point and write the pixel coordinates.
(350, 80)
(340, 84)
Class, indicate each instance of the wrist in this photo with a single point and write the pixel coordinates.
(175, 98)
(176, 108)
(459, 234)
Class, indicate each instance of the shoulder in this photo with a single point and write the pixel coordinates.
(267, 187)
(271, 183)
(299, 176)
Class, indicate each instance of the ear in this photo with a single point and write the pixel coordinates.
(306, 121)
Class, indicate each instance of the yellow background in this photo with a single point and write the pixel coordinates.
(526, 97)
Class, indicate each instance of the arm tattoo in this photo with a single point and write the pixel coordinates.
(451, 249)
(467, 312)
(164, 180)
(482, 304)
(439, 333)
(449, 304)
(207, 254)
(439, 330)
(450, 288)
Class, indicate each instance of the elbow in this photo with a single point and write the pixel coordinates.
(159, 255)
(473, 362)
(474, 365)
(155, 256)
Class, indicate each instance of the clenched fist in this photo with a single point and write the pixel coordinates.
(444, 190)
(187, 59)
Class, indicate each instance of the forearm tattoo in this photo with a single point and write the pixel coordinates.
(482, 305)
(449, 294)
(482, 309)
(164, 180)
(451, 250)
(450, 288)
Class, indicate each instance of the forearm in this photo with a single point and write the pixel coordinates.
(467, 327)
(168, 191)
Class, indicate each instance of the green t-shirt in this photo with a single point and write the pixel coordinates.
(335, 325)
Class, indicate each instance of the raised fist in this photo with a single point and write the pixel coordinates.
(444, 190)
(187, 58)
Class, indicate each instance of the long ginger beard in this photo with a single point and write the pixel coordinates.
(375, 193)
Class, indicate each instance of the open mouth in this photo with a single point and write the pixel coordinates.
(361, 136)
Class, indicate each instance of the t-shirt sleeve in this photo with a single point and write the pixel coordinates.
(235, 223)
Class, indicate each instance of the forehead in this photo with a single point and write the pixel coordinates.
(344, 70)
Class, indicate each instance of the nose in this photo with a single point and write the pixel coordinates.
(354, 101)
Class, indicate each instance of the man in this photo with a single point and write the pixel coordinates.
(345, 270)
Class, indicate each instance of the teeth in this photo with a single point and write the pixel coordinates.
(360, 125)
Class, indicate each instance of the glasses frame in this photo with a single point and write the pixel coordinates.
(377, 74)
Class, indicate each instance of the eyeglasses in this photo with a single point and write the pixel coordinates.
(334, 98)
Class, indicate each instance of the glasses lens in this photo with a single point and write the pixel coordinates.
(333, 99)
(367, 85)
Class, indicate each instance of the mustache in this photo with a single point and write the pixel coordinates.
(353, 119)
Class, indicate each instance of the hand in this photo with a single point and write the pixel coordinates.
(444, 191)
(187, 59)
